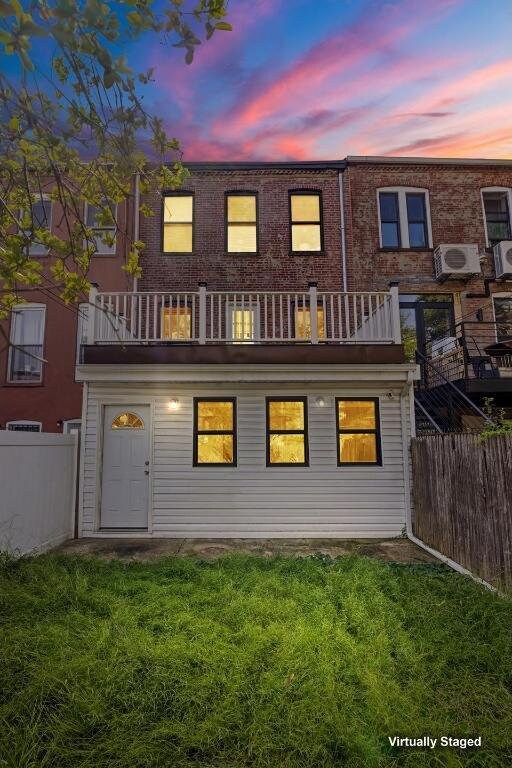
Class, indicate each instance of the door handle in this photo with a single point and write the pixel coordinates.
(146, 471)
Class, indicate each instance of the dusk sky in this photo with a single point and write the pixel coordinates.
(314, 79)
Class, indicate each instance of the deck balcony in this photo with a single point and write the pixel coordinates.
(477, 357)
(249, 326)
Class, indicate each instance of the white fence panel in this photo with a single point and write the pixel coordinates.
(37, 490)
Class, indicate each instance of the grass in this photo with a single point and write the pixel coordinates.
(267, 663)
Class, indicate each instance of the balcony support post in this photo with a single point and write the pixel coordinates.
(90, 331)
(313, 311)
(202, 313)
(395, 313)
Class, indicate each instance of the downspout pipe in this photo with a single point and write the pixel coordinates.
(136, 204)
(343, 239)
(407, 392)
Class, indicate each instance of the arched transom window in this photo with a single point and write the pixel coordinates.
(127, 420)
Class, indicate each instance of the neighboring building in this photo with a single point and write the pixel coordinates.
(431, 225)
(248, 394)
(44, 396)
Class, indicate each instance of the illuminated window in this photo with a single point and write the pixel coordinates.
(287, 432)
(178, 223)
(127, 421)
(242, 227)
(214, 431)
(306, 221)
(104, 232)
(357, 422)
(303, 322)
(243, 324)
(176, 323)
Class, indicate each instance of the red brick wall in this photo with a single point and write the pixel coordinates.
(275, 267)
(58, 397)
(456, 215)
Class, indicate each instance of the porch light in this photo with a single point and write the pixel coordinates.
(320, 402)
(173, 404)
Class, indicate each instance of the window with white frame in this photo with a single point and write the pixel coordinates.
(497, 205)
(243, 322)
(71, 426)
(27, 337)
(103, 226)
(81, 328)
(39, 218)
(404, 217)
(24, 426)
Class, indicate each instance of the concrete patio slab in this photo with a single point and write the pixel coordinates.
(398, 550)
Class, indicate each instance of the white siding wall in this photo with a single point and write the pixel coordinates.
(252, 499)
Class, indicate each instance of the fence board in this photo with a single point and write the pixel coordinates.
(462, 494)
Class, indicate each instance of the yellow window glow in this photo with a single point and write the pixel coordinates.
(214, 432)
(287, 449)
(358, 448)
(214, 416)
(243, 324)
(358, 432)
(241, 208)
(215, 449)
(178, 209)
(241, 224)
(285, 414)
(306, 237)
(127, 421)
(305, 208)
(303, 323)
(176, 323)
(178, 217)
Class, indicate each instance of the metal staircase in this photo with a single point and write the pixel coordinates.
(441, 407)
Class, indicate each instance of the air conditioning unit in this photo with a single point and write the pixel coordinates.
(503, 258)
(456, 261)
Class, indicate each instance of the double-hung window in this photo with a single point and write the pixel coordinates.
(241, 222)
(306, 221)
(404, 218)
(357, 425)
(287, 428)
(40, 218)
(497, 209)
(214, 431)
(101, 219)
(26, 351)
(178, 223)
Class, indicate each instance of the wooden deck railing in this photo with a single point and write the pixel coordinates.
(207, 317)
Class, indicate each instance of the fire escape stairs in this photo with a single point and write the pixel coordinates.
(441, 408)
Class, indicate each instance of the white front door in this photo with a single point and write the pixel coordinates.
(126, 462)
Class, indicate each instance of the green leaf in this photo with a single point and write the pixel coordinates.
(224, 25)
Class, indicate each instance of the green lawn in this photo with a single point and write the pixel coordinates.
(267, 663)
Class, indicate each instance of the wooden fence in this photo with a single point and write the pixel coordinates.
(462, 493)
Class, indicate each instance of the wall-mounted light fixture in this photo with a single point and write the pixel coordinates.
(320, 401)
(173, 404)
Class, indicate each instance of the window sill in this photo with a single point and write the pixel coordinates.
(307, 253)
(425, 249)
(177, 253)
(23, 384)
(242, 253)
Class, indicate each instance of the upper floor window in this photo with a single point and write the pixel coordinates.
(497, 203)
(81, 328)
(26, 351)
(241, 223)
(306, 221)
(503, 316)
(303, 322)
(24, 426)
(178, 223)
(41, 218)
(404, 218)
(103, 226)
(176, 323)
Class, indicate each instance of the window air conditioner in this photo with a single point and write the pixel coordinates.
(503, 259)
(456, 261)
